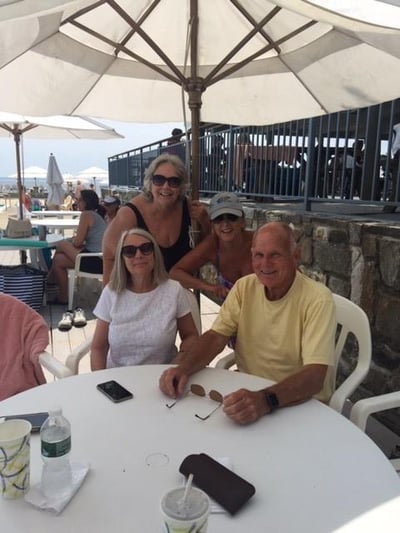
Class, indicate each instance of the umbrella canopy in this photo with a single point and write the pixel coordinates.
(54, 181)
(54, 127)
(93, 172)
(239, 61)
(32, 172)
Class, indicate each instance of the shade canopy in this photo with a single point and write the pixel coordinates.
(52, 127)
(238, 61)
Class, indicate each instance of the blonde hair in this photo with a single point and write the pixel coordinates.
(120, 274)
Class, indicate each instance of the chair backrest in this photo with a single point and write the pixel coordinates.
(87, 265)
(351, 319)
(25, 335)
(194, 309)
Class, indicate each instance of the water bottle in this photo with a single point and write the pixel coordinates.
(55, 438)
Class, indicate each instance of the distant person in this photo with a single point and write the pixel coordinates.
(163, 210)
(88, 238)
(285, 325)
(26, 199)
(175, 146)
(242, 162)
(111, 205)
(176, 136)
(227, 248)
(140, 311)
(79, 187)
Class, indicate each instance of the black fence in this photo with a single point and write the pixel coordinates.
(351, 156)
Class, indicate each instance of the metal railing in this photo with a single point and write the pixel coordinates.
(350, 156)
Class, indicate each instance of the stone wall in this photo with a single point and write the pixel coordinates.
(360, 260)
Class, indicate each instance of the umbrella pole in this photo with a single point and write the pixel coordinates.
(17, 139)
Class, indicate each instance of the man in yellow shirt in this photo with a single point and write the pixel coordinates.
(285, 325)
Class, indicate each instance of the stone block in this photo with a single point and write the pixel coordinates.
(339, 286)
(387, 320)
(333, 258)
(337, 236)
(355, 234)
(389, 268)
(369, 246)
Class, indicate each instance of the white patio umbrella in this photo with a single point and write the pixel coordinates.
(55, 182)
(238, 61)
(51, 127)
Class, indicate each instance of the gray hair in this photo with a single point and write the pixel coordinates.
(120, 274)
(173, 160)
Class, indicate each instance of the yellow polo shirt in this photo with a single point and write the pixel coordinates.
(275, 339)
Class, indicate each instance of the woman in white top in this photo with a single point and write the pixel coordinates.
(140, 311)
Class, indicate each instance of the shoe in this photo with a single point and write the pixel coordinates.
(65, 323)
(79, 319)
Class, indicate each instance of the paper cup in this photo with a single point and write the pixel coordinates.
(189, 518)
(14, 457)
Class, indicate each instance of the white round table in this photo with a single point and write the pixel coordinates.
(314, 471)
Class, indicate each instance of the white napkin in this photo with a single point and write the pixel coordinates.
(55, 505)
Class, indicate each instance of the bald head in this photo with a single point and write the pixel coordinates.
(278, 230)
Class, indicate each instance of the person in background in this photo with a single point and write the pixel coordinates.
(111, 205)
(162, 209)
(241, 161)
(285, 325)
(79, 187)
(228, 248)
(140, 311)
(88, 238)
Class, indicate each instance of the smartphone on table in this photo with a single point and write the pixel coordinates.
(114, 391)
(36, 419)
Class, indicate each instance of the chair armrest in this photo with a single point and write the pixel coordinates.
(227, 361)
(73, 360)
(363, 408)
(54, 366)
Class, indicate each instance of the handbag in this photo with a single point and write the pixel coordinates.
(18, 229)
(25, 283)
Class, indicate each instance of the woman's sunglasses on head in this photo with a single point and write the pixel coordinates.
(226, 216)
(160, 180)
(130, 250)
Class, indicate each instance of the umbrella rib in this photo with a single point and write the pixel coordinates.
(257, 27)
(140, 22)
(153, 45)
(247, 15)
(238, 66)
(128, 52)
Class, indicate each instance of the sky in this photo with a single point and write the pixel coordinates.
(74, 156)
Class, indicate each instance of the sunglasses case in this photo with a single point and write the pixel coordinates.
(224, 486)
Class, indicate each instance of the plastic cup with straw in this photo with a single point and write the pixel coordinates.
(185, 509)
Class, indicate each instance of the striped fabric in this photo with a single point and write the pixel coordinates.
(25, 283)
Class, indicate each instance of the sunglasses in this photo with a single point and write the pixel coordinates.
(160, 180)
(227, 216)
(199, 390)
(130, 250)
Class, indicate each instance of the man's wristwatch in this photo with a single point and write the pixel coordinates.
(272, 401)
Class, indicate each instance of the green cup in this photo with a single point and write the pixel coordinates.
(14, 457)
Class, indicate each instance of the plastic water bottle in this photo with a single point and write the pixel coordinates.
(55, 438)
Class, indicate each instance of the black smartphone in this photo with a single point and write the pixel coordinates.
(114, 391)
(36, 419)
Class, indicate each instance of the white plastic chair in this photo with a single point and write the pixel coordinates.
(362, 409)
(71, 366)
(351, 319)
(76, 273)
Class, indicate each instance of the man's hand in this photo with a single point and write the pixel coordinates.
(244, 406)
(173, 381)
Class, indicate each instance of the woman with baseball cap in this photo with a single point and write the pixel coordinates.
(228, 248)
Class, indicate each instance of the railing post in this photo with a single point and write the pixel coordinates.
(310, 164)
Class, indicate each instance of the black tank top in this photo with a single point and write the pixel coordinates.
(173, 253)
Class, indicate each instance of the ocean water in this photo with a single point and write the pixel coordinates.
(11, 183)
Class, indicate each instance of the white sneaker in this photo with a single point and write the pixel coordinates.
(79, 319)
(65, 323)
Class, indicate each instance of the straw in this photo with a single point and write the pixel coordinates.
(184, 498)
